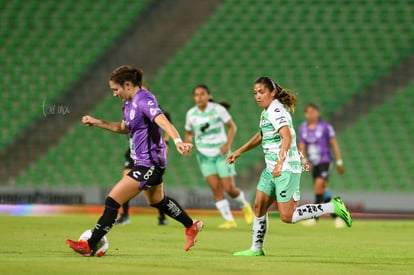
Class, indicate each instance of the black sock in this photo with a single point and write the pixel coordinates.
(161, 214)
(105, 222)
(319, 199)
(170, 207)
(125, 208)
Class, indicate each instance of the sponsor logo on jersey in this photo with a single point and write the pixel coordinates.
(153, 111)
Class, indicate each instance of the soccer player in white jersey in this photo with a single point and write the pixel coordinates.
(281, 178)
(206, 122)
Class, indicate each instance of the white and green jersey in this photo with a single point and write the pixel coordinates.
(271, 120)
(208, 128)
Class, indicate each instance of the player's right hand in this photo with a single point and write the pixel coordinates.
(307, 166)
(232, 157)
(89, 121)
(184, 148)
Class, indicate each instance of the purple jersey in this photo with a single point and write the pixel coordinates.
(318, 148)
(146, 142)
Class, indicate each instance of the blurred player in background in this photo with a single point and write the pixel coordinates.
(128, 165)
(144, 121)
(207, 121)
(316, 138)
(281, 178)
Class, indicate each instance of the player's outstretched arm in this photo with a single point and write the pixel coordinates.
(252, 143)
(116, 127)
(182, 147)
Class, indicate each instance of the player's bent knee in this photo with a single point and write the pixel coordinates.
(159, 204)
(112, 203)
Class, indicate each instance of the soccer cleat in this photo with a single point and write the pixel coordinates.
(123, 220)
(310, 222)
(341, 211)
(248, 213)
(228, 225)
(81, 247)
(249, 252)
(192, 233)
(339, 223)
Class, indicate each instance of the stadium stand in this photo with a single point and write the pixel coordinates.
(378, 147)
(49, 45)
(326, 53)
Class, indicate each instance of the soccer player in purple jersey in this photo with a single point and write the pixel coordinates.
(316, 142)
(128, 165)
(143, 121)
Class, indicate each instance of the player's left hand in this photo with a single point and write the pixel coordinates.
(277, 171)
(184, 148)
(225, 149)
(340, 169)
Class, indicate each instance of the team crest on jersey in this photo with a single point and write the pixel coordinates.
(318, 133)
(132, 114)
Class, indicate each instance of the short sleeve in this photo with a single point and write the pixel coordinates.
(278, 117)
(149, 106)
(331, 131)
(223, 113)
(187, 121)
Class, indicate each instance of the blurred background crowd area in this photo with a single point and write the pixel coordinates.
(355, 59)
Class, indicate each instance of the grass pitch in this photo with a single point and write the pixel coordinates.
(36, 245)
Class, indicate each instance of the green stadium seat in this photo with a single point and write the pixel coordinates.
(34, 37)
(326, 53)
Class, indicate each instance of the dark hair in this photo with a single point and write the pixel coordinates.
(222, 103)
(126, 73)
(285, 96)
(312, 105)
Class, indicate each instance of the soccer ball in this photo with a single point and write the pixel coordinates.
(101, 247)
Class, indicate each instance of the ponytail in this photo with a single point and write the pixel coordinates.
(222, 103)
(285, 96)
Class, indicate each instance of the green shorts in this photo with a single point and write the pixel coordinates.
(282, 188)
(215, 166)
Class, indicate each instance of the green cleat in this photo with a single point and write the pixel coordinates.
(249, 252)
(341, 211)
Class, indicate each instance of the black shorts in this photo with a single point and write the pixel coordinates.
(321, 171)
(129, 162)
(147, 176)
